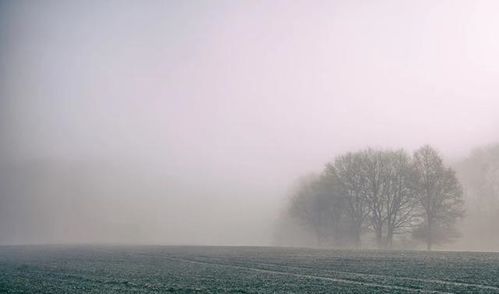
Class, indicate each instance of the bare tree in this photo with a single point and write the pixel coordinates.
(479, 174)
(378, 191)
(440, 197)
(400, 195)
(316, 206)
(303, 204)
(388, 192)
(350, 183)
(374, 184)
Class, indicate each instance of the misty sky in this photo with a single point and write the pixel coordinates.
(223, 104)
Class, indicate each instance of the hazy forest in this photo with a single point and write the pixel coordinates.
(389, 198)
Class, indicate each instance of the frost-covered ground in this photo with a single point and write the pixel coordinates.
(120, 269)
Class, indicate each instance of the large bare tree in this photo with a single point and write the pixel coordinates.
(346, 170)
(388, 191)
(316, 205)
(400, 195)
(440, 197)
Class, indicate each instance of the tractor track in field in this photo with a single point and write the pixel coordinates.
(442, 282)
(308, 276)
(199, 269)
(281, 270)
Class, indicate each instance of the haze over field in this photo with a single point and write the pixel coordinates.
(182, 122)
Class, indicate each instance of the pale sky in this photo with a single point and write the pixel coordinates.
(228, 102)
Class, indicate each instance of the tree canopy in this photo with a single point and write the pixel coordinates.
(380, 195)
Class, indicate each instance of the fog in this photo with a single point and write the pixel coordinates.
(187, 122)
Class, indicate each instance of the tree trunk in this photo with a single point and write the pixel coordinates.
(429, 239)
(356, 236)
(389, 237)
(379, 238)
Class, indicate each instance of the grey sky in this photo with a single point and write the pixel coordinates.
(230, 101)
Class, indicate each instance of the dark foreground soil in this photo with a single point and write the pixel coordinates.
(154, 269)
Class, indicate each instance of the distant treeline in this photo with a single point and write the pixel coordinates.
(380, 195)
